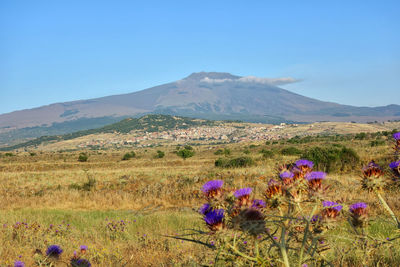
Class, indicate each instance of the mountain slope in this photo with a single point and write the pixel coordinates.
(203, 95)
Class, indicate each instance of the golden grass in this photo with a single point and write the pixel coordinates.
(162, 195)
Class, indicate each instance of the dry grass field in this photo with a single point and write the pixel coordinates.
(122, 209)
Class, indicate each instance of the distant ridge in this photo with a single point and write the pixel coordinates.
(208, 95)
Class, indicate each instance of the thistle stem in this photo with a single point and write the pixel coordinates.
(242, 254)
(387, 208)
(282, 247)
(305, 234)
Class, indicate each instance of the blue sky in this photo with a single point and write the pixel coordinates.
(56, 51)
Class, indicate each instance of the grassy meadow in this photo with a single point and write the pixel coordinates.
(123, 209)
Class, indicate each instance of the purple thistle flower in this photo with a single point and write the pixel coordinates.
(286, 175)
(396, 136)
(258, 204)
(316, 218)
(84, 248)
(19, 264)
(358, 205)
(332, 205)
(80, 263)
(214, 216)
(394, 165)
(205, 208)
(214, 219)
(212, 185)
(243, 192)
(315, 176)
(54, 251)
(304, 162)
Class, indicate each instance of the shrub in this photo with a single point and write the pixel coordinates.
(332, 159)
(129, 155)
(226, 152)
(185, 153)
(267, 153)
(360, 136)
(83, 157)
(188, 147)
(219, 152)
(246, 151)
(291, 151)
(160, 154)
(234, 163)
(377, 143)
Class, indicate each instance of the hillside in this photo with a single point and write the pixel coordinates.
(208, 95)
(148, 123)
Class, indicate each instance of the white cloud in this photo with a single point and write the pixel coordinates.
(253, 79)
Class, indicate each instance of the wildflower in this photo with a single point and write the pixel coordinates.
(358, 214)
(358, 208)
(19, 264)
(274, 193)
(395, 166)
(54, 251)
(372, 169)
(396, 136)
(315, 179)
(212, 188)
(205, 208)
(315, 219)
(243, 195)
(304, 166)
(274, 188)
(84, 248)
(214, 219)
(287, 177)
(258, 204)
(372, 177)
(331, 209)
(80, 263)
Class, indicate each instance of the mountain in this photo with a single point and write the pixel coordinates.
(209, 95)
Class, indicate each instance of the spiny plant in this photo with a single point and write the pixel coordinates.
(289, 225)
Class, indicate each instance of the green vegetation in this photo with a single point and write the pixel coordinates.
(129, 155)
(83, 157)
(225, 151)
(160, 154)
(185, 153)
(291, 151)
(266, 153)
(333, 159)
(239, 162)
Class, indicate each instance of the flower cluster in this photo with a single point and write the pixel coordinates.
(358, 214)
(331, 210)
(213, 189)
(53, 254)
(373, 177)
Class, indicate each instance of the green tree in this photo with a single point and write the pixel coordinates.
(185, 153)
